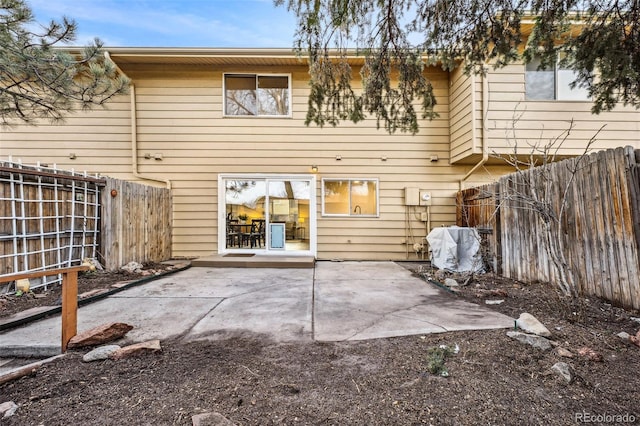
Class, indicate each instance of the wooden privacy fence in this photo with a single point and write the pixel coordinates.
(477, 207)
(51, 218)
(136, 223)
(600, 230)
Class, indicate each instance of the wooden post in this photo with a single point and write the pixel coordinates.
(69, 307)
(69, 296)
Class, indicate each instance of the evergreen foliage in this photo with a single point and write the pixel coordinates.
(399, 38)
(38, 80)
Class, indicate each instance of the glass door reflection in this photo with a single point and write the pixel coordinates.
(245, 213)
(252, 204)
(289, 205)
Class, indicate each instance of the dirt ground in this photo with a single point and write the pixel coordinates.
(252, 380)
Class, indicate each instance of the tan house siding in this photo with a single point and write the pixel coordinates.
(198, 143)
(179, 117)
(511, 118)
(462, 98)
(100, 139)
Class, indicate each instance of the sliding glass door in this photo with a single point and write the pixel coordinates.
(269, 214)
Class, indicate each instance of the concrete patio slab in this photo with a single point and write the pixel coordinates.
(152, 318)
(281, 312)
(336, 301)
(368, 300)
(353, 270)
(219, 282)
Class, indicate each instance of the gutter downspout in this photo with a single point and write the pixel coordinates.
(483, 139)
(134, 131)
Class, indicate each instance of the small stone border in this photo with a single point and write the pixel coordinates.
(57, 309)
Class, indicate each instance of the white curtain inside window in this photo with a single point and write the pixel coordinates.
(540, 83)
(565, 92)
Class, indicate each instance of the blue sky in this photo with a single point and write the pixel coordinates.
(174, 23)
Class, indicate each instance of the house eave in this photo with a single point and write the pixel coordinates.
(213, 56)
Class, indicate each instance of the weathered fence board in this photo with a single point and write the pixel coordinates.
(136, 223)
(600, 232)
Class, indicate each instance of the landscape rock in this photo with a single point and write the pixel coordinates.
(91, 293)
(137, 349)
(635, 339)
(566, 353)
(211, 419)
(636, 319)
(92, 263)
(100, 353)
(590, 354)
(120, 284)
(8, 409)
(624, 335)
(101, 334)
(498, 292)
(530, 324)
(450, 282)
(531, 339)
(133, 267)
(440, 275)
(564, 370)
(494, 302)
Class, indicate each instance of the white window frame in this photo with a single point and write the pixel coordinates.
(256, 75)
(312, 225)
(556, 86)
(351, 213)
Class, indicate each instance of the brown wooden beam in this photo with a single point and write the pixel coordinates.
(38, 274)
(97, 181)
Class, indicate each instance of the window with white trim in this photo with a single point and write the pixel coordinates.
(257, 95)
(350, 197)
(553, 83)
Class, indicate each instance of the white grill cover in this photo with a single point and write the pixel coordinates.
(455, 249)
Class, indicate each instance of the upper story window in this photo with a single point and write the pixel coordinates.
(350, 197)
(552, 84)
(257, 95)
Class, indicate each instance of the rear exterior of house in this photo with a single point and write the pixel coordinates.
(225, 130)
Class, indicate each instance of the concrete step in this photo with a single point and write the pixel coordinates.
(249, 260)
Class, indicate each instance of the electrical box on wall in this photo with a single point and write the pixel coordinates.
(425, 198)
(411, 197)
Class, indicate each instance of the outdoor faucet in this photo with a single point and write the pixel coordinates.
(358, 209)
